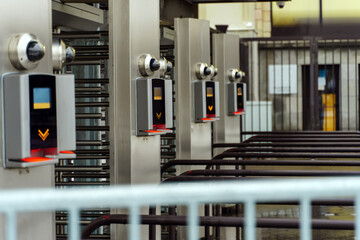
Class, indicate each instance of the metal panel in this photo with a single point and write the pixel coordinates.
(169, 104)
(65, 86)
(77, 15)
(134, 31)
(21, 16)
(200, 100)
(17, 121)
(192, 45)
(225, 57)
(144, 104)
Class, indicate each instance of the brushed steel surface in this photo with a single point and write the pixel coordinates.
(133, 31)
(192, 46)
(225, 56)
(23, 16)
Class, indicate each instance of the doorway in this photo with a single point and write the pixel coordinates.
(327, 93)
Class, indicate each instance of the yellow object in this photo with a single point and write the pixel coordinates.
(41, 105)
(329, 107)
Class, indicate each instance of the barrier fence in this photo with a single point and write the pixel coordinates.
(191, 195)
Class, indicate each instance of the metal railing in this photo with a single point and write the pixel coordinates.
(191, 195)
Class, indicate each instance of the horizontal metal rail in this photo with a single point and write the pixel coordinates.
(215, 162)
(301, 139)
(301, 132)
(275, 173)
(295, 149)
(288, 144)
(285, 155)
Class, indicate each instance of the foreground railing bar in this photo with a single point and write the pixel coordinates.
(305, 219)
(250, 220)
(357, 216)
(11, 225)
(74, 219)
(193, 221)
(144, 195)
(134, 222)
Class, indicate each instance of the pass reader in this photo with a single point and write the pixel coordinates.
(236, 92)
(206, 95)
(236, 98)
(33, 134)
(154, 98)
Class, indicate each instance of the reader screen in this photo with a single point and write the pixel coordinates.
(209, 92)
(157, 93)
(41, 98)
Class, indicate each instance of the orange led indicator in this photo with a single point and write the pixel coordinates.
(210, 108)
(44, 135)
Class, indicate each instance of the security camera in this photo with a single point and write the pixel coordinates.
(280, 4)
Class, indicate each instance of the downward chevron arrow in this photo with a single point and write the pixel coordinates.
(44, 135)
(210, 108)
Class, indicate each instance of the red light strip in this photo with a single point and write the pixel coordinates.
(152, 131)
(207, 119)
(36, 159)
(67, 152)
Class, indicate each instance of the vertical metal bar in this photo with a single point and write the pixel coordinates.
(152, 227)
(134, 223)
(250, 221)
(267, 86)
(302, 86)
(11, 226)
(357, 216)
(340, 90)
(356, 87)
(171, 227)
(313, 98)
(297, 86)
(258, 85)
(326, 72)
(274, 93)
(337, 105)
(348, 81)
(305, 219)
(251, 86)
(207, 213)
(282, 85)
(193, 221)
(320, 16)
(289, 129)
(74, 231)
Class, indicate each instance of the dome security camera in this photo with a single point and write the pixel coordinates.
(280, 4)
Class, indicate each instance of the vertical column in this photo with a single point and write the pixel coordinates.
(225, 57)
(22, 16)
(193, 140)
(133, 31)
(192, 46)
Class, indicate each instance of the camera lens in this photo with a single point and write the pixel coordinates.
(35, 51)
